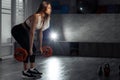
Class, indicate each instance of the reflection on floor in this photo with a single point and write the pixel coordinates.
(62, 68)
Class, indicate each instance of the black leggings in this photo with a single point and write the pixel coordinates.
(21, 35)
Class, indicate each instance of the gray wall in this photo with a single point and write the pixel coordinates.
(87, 28)
(31, 7)
(59, 48)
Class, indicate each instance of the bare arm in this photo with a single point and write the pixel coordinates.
(32, 30)
(41, 37)
(46, 25)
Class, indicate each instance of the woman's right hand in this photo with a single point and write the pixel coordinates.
(41, 50)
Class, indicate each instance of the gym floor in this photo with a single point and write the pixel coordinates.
(62, 68)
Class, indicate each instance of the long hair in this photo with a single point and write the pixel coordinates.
(42, 8)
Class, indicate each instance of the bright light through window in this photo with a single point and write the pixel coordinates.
(54, 36)
(81, 8)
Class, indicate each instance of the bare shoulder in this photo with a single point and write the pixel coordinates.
(35, 16)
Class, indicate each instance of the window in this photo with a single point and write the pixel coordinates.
(7, 18)
(19, 11)
(6, 21)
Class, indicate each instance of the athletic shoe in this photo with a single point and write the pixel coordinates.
(27, 75)
(34, 71)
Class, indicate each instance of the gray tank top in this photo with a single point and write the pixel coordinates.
(39, 24)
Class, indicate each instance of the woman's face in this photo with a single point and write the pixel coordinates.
(49, 9)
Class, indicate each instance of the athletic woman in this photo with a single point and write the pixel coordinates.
(24, 35)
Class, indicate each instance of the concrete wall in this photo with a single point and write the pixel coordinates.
(87, 28)
(31, 7)
(98, 35)
(59, 48)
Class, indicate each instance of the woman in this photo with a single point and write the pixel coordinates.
(24, 35)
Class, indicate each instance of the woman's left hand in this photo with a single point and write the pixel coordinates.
(31, 52)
